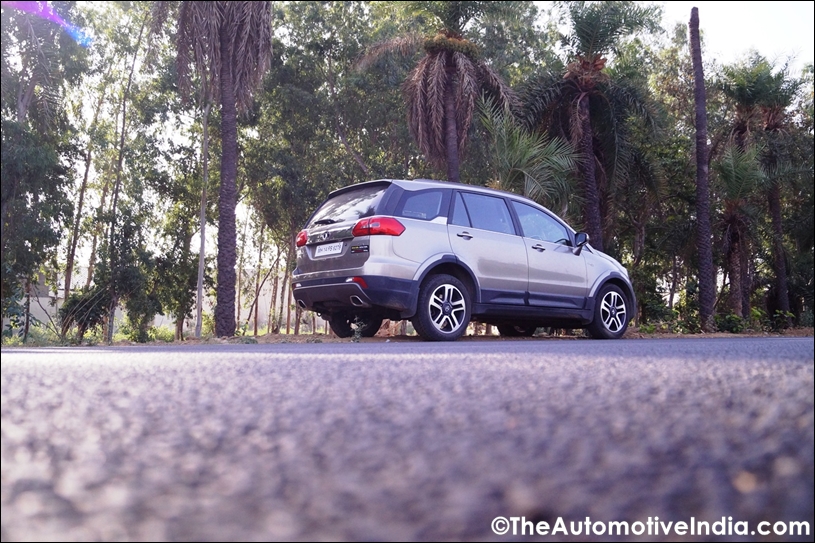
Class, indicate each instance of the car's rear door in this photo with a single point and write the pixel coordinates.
(482, 236)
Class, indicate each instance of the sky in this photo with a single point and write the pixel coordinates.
(777, 30)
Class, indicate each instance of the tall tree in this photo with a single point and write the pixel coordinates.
(779, 90)
(737, 175)
(581, 100)
(39, 62)
(442, 89)
(707, 285)
(229, 45)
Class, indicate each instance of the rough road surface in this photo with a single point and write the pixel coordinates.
(414, 441)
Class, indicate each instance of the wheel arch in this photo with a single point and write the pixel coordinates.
(624, 285)
(446, 264)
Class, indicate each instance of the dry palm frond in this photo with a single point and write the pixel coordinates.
(467, 75)
(403, 46)
(499, 88)
(198, 46)
(250, 33)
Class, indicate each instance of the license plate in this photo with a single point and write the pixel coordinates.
(328, 249)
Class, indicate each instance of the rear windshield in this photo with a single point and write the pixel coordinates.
(349, 206)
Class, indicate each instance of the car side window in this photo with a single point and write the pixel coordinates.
(488, 213)
(425, 205)
(539, 225)
(459, 217)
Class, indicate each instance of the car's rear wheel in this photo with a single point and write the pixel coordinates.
(509, 330)
(343, 324)
(611, 314)
(443, 310)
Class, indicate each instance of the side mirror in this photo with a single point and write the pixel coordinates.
(580, 240)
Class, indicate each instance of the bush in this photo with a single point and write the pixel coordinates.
(730, 323)
(85, 309)
(161, 333)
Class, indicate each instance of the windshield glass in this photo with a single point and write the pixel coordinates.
(349, 206)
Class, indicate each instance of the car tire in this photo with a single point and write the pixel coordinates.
(342, 324)
(611, 313)
(443, 310)
(510, 330)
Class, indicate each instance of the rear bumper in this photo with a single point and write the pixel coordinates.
(338, 293)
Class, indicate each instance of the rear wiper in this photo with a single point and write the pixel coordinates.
(326, 221)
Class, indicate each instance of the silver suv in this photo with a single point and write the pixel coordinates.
(444, 254)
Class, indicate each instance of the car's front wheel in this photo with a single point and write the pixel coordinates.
(611, 314)
(443, 310)
(342, 324)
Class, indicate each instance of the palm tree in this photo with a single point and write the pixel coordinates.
(525, 162)
(762, 98)
(580, 99)
(738, 174)
(707, 285)
(779, 92)
(229, 46)
(442, 89)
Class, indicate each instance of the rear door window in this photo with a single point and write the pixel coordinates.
(488, 213)
(349, 206)
(425, 205)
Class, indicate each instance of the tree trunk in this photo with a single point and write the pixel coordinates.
(27, 322)
(707, 291)
(228, 197)
(451, 132)
(746, 277)
(270, 326)
(283, 297)
(257, 277)
(240, 275)
(734, 263)
(96, 232)
(674, 280)
(179, 327)
(72, 242)
(591, 206)
(288, 311)
(779, 262)
(199, 300)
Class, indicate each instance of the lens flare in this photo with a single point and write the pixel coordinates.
(43, 10)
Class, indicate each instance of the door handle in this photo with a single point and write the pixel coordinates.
(465, 235)
(538, 247)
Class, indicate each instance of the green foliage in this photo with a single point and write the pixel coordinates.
(85, 310)
(524, 162)
(688, 308)
(34, 203)
(730, 323)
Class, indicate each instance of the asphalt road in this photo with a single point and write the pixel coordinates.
(417, 441)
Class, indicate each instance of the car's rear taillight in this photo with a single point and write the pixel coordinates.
(378, 226)
(301, 239)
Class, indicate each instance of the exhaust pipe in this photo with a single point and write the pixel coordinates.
(357, 301)
(301, 303)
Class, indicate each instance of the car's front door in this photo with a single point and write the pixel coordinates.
(557, 276)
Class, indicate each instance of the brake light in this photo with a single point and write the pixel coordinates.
(378, 226)
(302, 237)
